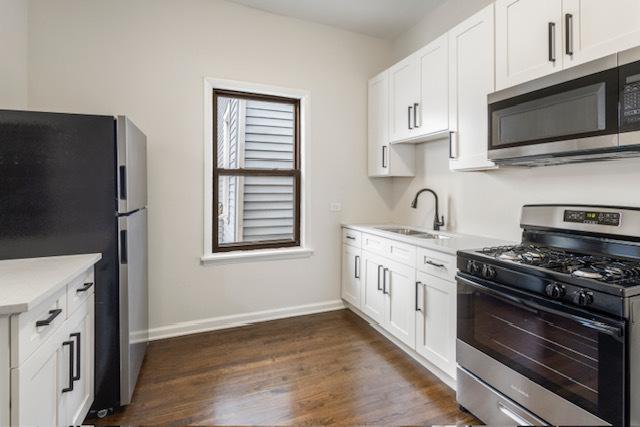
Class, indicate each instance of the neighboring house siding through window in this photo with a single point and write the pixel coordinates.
(268, 201)
(256, 134)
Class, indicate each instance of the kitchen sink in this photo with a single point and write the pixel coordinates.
(402, 230)
(405, 231)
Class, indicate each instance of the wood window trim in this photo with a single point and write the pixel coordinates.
(295, 173)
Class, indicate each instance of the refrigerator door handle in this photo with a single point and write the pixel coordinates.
(123, 247)
(123, 182)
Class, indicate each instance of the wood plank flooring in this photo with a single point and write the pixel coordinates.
(329, 368)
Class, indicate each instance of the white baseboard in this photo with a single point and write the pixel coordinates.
(237, 320)
(442, 376)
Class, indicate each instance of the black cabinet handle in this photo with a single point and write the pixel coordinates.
(85, 287)
(568, 26)
(351, 238)
(552, 42)
(384, 156)
(52, 315)
(417, 291)
(357, 267)
(76, 335)
(71, 345)
(415, 115)
(379, 268)
(409, 117)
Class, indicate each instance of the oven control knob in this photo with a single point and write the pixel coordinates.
(488, 272)
(555, 290)
(583, 298)
(473, 267)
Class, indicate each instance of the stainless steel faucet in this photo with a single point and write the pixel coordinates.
(437, 221)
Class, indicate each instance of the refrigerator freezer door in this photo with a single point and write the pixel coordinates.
(134, 310)
(132, 166)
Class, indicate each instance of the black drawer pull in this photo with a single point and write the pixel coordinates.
(71, 345)
(351, 238)
(85, 288)
(52, 315)
(426, 261)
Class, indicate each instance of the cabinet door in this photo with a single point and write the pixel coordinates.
(403, 94)
(378, 121)
(75, 404)
(373, 301)
(596, 28)
(36, 386)
(398, 286)
(433, 108)
(436, 321)
(528, 39)
(471, 80)
(351, 274)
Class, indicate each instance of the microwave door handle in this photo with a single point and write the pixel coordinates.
(614, 331)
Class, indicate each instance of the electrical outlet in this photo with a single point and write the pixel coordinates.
(335, 207)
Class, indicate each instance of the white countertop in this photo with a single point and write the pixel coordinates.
(25, 283)
(452, 245)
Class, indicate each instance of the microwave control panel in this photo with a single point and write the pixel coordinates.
(630, 102)
(593, 218)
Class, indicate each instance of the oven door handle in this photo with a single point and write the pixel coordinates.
(614, 331)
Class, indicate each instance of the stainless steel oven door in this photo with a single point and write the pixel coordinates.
(563, 364)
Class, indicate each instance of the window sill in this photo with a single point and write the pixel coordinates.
(258, 255)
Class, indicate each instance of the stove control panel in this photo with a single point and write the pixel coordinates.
(592, 217)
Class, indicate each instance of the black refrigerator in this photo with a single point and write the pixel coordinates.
(72, 184)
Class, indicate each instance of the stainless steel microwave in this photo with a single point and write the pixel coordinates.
(585, 113)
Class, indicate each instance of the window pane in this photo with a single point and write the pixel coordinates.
(255, 134)
(254, 209)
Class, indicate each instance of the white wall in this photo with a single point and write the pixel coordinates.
(13, 54)
(434, 24)
(147, 59)
(489, 203)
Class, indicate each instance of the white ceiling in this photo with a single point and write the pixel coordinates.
(378, 18)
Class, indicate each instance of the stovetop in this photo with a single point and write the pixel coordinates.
(614, 271)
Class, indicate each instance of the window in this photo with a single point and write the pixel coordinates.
(256, 171)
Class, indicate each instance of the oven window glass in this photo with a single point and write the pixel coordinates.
(565, 356)
(574, 112)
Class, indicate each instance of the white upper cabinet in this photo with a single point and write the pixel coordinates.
(384, 159)
(528, 40)
(403, 90)
(597, 28)
(471, 79)
(433, 108)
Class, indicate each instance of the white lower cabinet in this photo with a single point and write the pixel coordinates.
(398, 288)
(414, 300)
(372, 300)
(436, 321)
(54, 383)
(351, 274)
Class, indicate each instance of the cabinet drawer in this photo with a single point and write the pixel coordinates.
(27, 336)
(79, 290)
(376, 244)
(351, 237)
(437, 264)
(402, 252)
(396, 251)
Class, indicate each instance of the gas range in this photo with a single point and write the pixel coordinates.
(546, 328)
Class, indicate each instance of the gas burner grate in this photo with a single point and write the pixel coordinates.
(609, 270)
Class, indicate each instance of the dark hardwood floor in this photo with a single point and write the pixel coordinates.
(329, 368)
